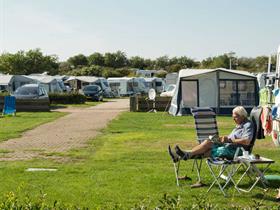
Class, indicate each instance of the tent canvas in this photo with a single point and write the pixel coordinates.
(50, 83)
(11, 82)
(220, 89)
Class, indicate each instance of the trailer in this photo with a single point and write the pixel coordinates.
(121, 86)
(156, 83)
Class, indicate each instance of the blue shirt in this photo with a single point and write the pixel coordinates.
(243, 131)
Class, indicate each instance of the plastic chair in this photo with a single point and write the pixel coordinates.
(9, 105)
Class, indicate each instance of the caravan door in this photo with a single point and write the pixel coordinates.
(189, 89)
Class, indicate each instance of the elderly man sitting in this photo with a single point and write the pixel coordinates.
(225, 146)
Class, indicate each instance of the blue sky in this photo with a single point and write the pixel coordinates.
(148, 28)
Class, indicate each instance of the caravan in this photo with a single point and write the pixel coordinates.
(140, 85)
(156, 83)
(121, 86)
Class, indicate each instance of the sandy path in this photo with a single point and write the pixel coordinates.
(65, 133)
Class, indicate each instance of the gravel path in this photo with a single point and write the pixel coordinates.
(63, 134)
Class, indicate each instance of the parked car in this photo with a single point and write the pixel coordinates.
(93, 92)
(170, 91)
(31, 91)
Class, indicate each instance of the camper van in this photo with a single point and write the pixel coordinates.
(156, 83)
(121, 86)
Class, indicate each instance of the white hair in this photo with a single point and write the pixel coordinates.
(241, 111)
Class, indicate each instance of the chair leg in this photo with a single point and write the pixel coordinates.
(198, 169)
(222, 169)
(176, 169)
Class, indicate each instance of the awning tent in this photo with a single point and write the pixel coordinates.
(11, 82)
(78, 82)
(222, 89)
(50, 83)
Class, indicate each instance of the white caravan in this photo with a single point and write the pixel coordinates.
(121, 86)
(140, 85)
(156, 83)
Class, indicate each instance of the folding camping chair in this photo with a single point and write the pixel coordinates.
(205, 124)
(9, 105)
(228, 168)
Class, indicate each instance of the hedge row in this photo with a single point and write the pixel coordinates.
(67, 98)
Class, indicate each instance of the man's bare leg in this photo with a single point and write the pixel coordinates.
(202, 148)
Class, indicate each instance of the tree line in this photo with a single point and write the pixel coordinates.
(118, 64)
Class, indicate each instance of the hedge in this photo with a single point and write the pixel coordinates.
(67, 98)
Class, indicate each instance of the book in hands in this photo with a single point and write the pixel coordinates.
(215, 139)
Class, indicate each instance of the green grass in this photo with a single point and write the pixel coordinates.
(12, 127)
(128, 163)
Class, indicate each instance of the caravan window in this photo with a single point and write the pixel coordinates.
(237, 92)
(129, 87)
(158, 84)
(115, 85)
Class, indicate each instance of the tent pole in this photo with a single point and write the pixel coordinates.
(218, 91)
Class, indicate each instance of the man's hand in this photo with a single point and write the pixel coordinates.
(224, 139)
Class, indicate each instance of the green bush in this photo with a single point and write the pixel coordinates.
(24, 201)
(67, 98)
(5, 93)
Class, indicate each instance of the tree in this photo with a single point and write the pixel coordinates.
(162, 62)
(115, 60)
(64, 68)
(137, 62)
(36, 62)
(13, 63)
(221, 61)
(33, 61)
(96, 59)
(78, 61)
(120, 59)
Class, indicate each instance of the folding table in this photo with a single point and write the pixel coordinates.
(253, 170)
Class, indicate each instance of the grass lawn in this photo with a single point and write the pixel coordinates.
(12, 127)
(128, 164)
